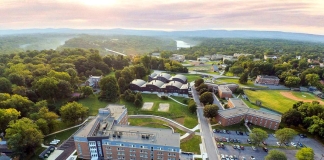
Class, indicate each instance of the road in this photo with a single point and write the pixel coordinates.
(205, 129)
(115, 52)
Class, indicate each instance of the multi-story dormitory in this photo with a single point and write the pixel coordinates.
(109, 137)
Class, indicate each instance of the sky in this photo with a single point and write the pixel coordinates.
(303, 16)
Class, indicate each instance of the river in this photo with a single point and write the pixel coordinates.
(182, 44)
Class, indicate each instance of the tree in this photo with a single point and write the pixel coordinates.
(292, 81)
(20, 103)
(23, 136)
(122, 84)
(258, 135)
(206, 98)
(109, 89)
(50, 117)
(312, 79)
(7, 115)
(20, 90)
(236, 70)
(305, 154)
(198, 82)
(292, 117)
(64, 89)
(211, 111)
(47, 87)
(42, 125)
(285, 135)
(86, 91)
(244, 78)
(192, 106)
(5, 85)
(202, 87)
(138, 99)
(276, 155)
(73, 112)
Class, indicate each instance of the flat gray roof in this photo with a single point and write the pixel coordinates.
(233, 112)
(224, 88)
(238, 103)
(158, 136)
(271, 77)
(267, 115)
(180, 76)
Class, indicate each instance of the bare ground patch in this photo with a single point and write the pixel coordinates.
(147, 105)
(164, 107)
(291, 96)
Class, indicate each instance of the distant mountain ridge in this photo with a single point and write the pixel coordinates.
(197, 33)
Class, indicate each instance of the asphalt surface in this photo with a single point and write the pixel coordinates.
(205, 130)
(271, 141)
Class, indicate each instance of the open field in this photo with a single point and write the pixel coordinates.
(191, 145)
(302, 96)
(272, 99)
(192, 77)
(175, 111)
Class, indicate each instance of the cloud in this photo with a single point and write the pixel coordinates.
(288, 15)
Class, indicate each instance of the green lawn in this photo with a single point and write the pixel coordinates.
(234, 127)
(236, 80)
(61, 136)
(306, 96)
(152, 123)
(180, 99)
(271, 99)
(175, 111)
(192, 77)
(191, 145)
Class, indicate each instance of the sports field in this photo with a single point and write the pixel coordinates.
(280, 101)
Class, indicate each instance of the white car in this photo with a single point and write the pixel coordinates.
(253, 148)
(222, 156)
(278, 143)
(293, 144)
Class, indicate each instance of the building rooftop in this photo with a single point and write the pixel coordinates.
(238, 103)
(157, 83)
(265, 76)
(224, 88)
(180, 76)
(104, 120)
(232, 112)
(266, 115)
(175, 83)
(136, 134)
(138, 82)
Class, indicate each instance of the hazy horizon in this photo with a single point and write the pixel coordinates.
(168, 15)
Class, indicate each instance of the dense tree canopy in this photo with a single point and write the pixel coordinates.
(305, 154)
(109, 89)
(258, 135)
(73, 112)
(211, 111)
(206, 98)
(276, 155)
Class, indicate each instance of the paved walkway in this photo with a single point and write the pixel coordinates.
(177, 101)
(169, 121)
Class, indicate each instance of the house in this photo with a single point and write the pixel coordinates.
(224, 92)
(238, 111)
(236, 55)
(203, 59)
(216, 57)
(108, 136)
(178, 57)
(156, 54)
(230, 58)
(298, 57)
(93, 81)
(215, 68)
(269, 80)
(274, 57)
(313, 61)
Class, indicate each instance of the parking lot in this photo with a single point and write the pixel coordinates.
(271, 141)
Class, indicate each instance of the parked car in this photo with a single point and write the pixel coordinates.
(219, 145)
(302, 135)
(265, 149)
(224, 140)
(243, 158)
(235, 157)
(222, 156)
(264, 143)
(237, 132)
(253, 148)
(238, 147)
(235, 140)
(300, 144)
(224, 131)
(286, 143)
(231, 157)
(228, 132)
(227, 140)
(231, 140)
(293, 144)
(241, 133)
(234, 146)
(223, 146)
(242, 147)
(217, 130)
(278, 144)
(252, 157)
(247, 133)
(249, 141)
(217, 139)
(214, 130)
(238, 141)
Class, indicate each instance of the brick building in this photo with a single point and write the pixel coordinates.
(263, 79)
(108, 137)
(239, 111)
(224, 92)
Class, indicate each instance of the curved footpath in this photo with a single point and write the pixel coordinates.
(169, 121)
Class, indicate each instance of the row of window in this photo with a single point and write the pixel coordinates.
(144, 147)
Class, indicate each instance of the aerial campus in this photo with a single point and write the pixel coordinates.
(204, 108)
